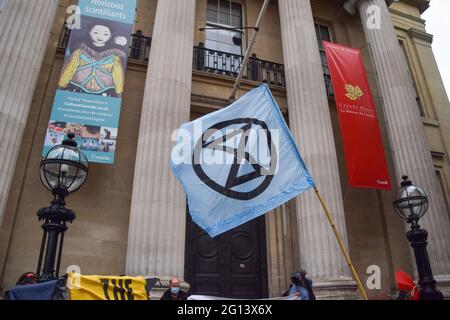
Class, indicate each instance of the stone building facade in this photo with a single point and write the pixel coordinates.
(132, 216)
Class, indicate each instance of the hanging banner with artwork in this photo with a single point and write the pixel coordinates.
(363, 146)
(89, 94)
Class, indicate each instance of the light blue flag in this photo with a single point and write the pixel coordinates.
(238, 163)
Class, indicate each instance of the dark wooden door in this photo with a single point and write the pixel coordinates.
(232, 265)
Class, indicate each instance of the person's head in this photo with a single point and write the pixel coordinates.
(404, 295)
(100, 35)
(175, 286)
(298, 278)
(27, 279)
(303, 274)
(295, 279)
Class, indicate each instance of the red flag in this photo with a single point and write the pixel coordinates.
(406, 283)
(363, 146)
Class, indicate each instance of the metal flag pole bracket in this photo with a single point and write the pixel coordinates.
(341, 244)
(249, 50)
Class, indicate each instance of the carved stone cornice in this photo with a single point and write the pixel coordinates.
(422, 5)
(414, 33)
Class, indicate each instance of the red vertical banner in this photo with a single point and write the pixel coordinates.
(363, 146)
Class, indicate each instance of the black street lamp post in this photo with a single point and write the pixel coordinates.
(411, 204)
(63, 171)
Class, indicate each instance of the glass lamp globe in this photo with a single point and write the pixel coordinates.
(65, 168)
(411, 202)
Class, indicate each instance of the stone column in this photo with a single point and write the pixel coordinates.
(25, 29)
(311, 126)
(411, 152)
(279, 251)
(156, 241)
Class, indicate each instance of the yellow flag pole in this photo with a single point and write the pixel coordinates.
(341, 244)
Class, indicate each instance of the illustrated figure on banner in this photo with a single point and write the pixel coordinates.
(96, 68)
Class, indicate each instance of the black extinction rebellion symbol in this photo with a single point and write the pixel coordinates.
(234, 128)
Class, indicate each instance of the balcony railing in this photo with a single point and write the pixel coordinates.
(328, 85)
(64, 38)
(215, 62)
(227, 64)
(139, 48)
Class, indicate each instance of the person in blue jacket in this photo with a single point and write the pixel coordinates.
(301, 286)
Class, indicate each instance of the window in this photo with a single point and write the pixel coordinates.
(227, 14)
(323, 34)
(419, 102)
(444, 194)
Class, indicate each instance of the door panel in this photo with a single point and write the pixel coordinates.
(231, 265)
(205, 260)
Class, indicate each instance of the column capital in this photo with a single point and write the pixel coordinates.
(353, 6)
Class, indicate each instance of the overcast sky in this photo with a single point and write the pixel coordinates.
(438, 24)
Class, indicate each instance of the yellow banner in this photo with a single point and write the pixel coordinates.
(106, 288)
